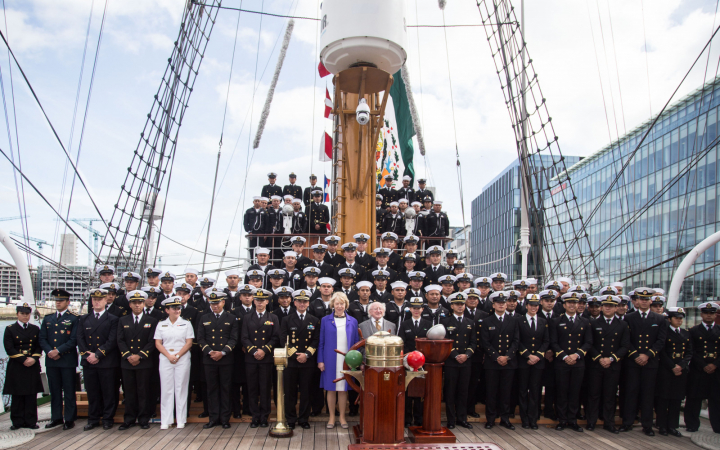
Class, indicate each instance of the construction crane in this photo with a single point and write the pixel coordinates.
(94, 236)
(39, 243)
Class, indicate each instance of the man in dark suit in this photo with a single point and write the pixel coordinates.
(648, 332)
(318, 215)
(458, 366)
(534, 342)
(476, 389)
(271, 188)
(363, 257)
(394, 220)
(437, 224)
(547, 301)
(388, 193)
(239, 379)
(97, 342)
(703, 381)
(421, 193)
(500, 337)
(260, 335)
(435, 269)
(217, 338)
(292, 188)
(307, 194)
(257, 221)
(570, 338)
(22, 378)
(58, 339)
(302, 332)
(411, 329)
(136, 344)
(611, 340)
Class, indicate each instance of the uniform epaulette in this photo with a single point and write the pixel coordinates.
(74, 313)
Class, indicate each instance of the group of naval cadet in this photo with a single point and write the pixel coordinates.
(267, 215)
(169, 338)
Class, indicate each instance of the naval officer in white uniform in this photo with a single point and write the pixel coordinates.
(173, 339)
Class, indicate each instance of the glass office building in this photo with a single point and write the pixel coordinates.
(495, 222)
(667, 197)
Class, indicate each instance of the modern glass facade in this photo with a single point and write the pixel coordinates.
(680, 149)
(495, 221)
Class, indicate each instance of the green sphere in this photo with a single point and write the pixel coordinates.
(353, 359)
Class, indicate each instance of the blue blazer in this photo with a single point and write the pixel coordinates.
(328, 344)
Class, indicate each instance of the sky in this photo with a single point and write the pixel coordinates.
(604, 67)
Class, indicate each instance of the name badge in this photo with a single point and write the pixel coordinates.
(598, 329)
(562, 324)
(293, 328)
(147, 325)
(408, 331)
(164, 326)
(204, 323)
(182, 324)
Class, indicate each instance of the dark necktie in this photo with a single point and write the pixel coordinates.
(501, 319)
(136, 320)
(147, 310)
(217, 316)
(571, 320)
(59, 315)
(608, 321)
(643, 316)
(247, 309)
(25, 326)
(677, 330)
(302, 317)
(708, 327)
(417, 325)
(532, 324)
(285, 311)
(97, 316)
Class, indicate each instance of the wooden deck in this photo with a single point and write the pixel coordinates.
(240, 435)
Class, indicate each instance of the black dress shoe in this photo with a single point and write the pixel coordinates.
(264, 424)
(54, 423)
(526, 426)
(533, 427)
(291, 426)
(125, 426)
(489, 425)
(625, 428)
(253, 424)
(506, 424)
(13, 428)
(144, 426)
(90, 426)
(560, 426)
(304, 425)
(611, 428)
(237, 416)
(107, 426)
(69, 425)
(226, 425)
(674, 432)
(581, 417)
(209, 425)
(590, 427)
(465, 424)
(314, 414)
(663, 431)
(203, 415)
(691, 430)
(450, 426)
(34, 427)
(575, 427)
(474, 414)
(648, 432)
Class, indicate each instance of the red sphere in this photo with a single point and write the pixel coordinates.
(415, 359)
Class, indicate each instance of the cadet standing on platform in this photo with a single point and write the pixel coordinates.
(648, 332)
(257, 221)
(412, 328)
(307, 194)
(611, 343)
(421, 193)
(22, 378)
(570, 339)
(271, 189)
(388, 193)
(260, 335)
(703, 378)
(292, 188)
(97, 342)
(534, 342)
(303, 331)
(317, 214)
(458, 365)
(673, 374)
(406, 191)
(136, 344)
(437, 224)
(217, 337)
(58, 339)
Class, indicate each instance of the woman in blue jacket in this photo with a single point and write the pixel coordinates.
(337, 331)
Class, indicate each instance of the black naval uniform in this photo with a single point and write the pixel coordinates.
(359, 311)
(702, 385)
(499, 338)
(394, 223)
(389, 196)
(534, 340)
(420, 195)
(436, 225)
(409, 330)
(317, 214)
(259, 333)
(333, 260)
(307, 194)
(609, 341)
(457, 375)
(23, 383)
(218, 333)
(476, 388)
(117, 310)
(437, 316)
(647, 336)
(99, 337)
(60, 333)
(304, 337)
(271, 189)
(670, 389)
(548, 377)
(257, 221)
(239, 380)
(407, 193)
(137, 339)
(566, 338)
(292, 189)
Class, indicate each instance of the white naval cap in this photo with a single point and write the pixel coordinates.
(399, 285)
(262, 251)
(288, 197)
(290, 253)
(276, 197)
(362, 284)
(407, 178)
(394, 204)
(326, 280)
(191, 271)
(297, 200)
(232, 272)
